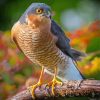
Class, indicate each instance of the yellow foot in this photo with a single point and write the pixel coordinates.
(53, 83)
(33, 87)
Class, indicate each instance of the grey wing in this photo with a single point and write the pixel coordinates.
(63, 42)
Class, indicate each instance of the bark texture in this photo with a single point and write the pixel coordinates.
(84, 88)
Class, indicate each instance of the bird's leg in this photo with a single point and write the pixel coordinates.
(54, 81)
(32, 88)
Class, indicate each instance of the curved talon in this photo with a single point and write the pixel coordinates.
(33, 87)
(53, 83)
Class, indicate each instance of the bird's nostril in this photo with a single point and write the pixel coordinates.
(50, 16)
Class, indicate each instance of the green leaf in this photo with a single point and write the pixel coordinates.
(21, 56)
(94, 45)
(1, 53)
(27, 71)
(12, 62)
(6, 78)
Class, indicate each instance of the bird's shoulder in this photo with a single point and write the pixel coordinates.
(63, 42)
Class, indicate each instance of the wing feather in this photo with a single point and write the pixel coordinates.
(63, 42)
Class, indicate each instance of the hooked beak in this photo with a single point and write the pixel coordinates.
(48, 15)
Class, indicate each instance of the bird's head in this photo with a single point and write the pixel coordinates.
(37, 14)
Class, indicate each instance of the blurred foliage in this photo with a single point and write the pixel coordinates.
(88, 39)
(17, 72)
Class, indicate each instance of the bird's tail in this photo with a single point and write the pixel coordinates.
(68, 71)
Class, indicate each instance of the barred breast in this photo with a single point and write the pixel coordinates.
(40, 47)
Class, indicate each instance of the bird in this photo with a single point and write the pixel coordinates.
(43, 41)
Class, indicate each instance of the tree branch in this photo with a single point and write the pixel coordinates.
(84, 88)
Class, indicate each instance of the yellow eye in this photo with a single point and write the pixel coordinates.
(39, 11)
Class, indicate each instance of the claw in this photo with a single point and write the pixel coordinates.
(33, 87)
(53, 83)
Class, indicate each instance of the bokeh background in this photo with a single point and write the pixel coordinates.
(80, 19)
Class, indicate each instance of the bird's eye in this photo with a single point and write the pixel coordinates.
(39, 11)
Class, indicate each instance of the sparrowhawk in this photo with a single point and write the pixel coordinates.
(43, 41)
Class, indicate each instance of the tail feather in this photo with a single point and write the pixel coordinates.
(77, 54)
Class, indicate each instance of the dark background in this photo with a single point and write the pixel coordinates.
(11, 10)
